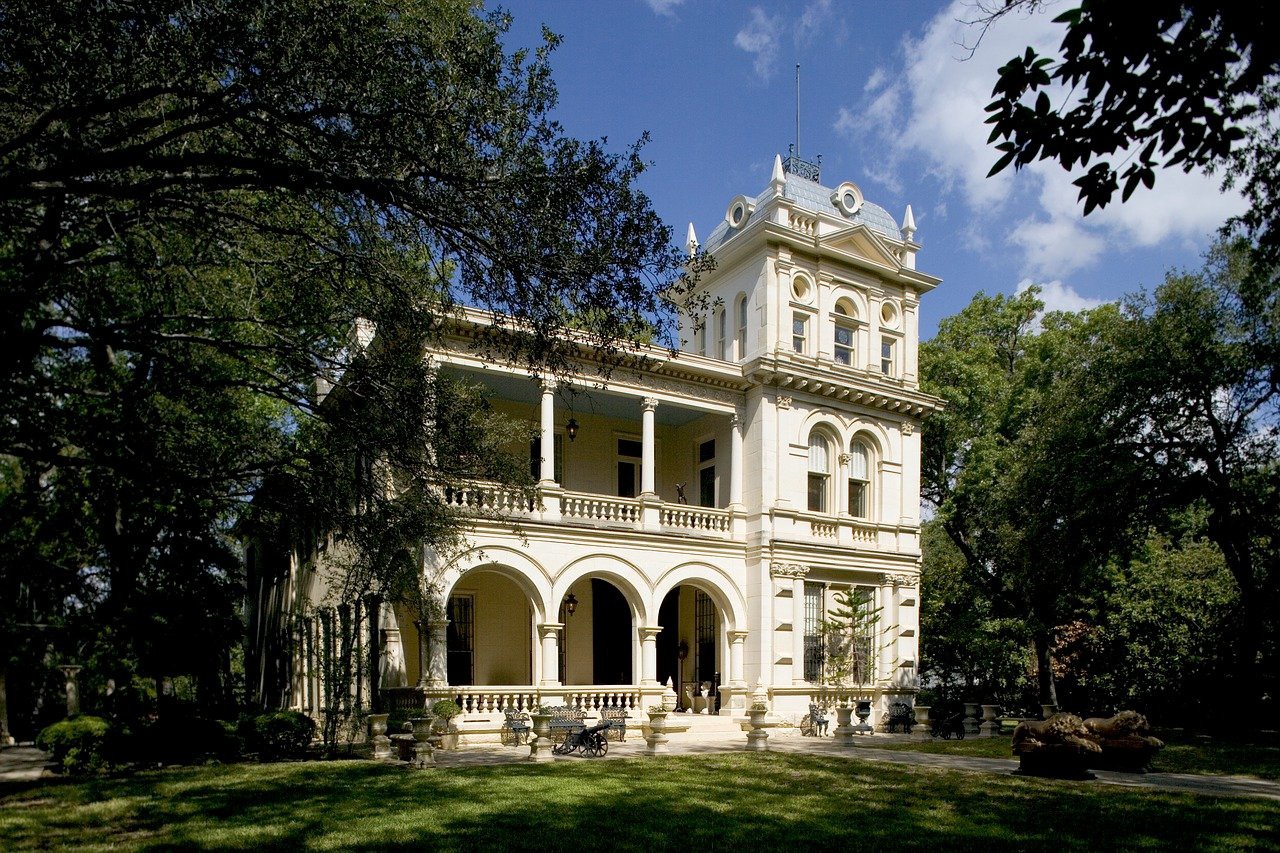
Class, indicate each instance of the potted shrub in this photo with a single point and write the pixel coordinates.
(848, 635)
(445, 711)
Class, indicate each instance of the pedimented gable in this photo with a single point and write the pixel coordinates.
(860, 241)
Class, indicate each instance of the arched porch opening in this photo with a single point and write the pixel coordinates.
(598, 641)
(490, 638)
(691, 647)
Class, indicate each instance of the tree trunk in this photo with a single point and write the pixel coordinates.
(1043, 642)
(1233, 540)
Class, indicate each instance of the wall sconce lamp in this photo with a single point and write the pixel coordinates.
(682, 650)
(570, 603)
(571, 428)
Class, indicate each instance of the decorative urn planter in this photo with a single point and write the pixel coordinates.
(971, 718)
(656, 741)
(540, 746)
(863, 711)
(757, 738)
(423, 753)
(990, 727)
(844, 725)
(378, 735)
(1047, 711)
(922, 722)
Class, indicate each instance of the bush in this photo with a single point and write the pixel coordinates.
(281, 734)
(78, 744)
(446, 709)
(177, 739)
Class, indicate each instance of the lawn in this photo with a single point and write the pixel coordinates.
(736, 801)
(1183, 753)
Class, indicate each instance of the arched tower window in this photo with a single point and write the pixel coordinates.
(859, 480)
(819, 471)
(845, 333)
(722, 343)
(742, 327)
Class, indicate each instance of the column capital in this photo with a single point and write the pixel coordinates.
(737, 419)
(549, 628)
(648, 404)
(791, 571)
(649, 632)
(738, 636)
(548, 384)
(844, 458)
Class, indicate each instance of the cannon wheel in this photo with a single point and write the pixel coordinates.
(597, 747)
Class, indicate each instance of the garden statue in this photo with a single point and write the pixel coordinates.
(1059, 746)
(1125, 740)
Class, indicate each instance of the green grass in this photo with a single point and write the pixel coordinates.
(1183, 753)
(723, 802)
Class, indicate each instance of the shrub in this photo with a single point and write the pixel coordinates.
(281, 734)
(185, 739)
(446, 708)
(77, 745)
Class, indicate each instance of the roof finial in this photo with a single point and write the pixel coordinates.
(779, 178)
(691, 241)
(908, 225)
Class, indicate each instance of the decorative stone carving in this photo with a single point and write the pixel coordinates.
(908, 428)
(784, 402)
(648, 404)
(790, 571)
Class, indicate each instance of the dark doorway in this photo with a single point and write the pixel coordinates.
(461, 639)
(611, 634)
(668, 640)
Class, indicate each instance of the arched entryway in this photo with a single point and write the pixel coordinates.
(597, 644)
(689, 647)
(490, 634)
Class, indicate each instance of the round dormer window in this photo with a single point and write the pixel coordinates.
(739, 210)
(848, 198)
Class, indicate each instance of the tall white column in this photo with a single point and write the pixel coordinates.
(438, 657)
(550, 632)
(649, 654)
(547, 433)
(889, 632)
(797, 629)
(647, 407)
(736, 427)
(737, 640)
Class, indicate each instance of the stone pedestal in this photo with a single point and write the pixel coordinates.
(423, 752)
(757, 738)
(971, 718)
(922, 731)
(540, 746)
(71, 672)
(378, 735)
(844, 726)
(990, 727)
(656, 741)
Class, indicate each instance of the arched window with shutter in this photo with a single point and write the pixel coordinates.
(859, 480)
(819, 471)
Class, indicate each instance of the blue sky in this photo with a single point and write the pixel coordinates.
(890, 101)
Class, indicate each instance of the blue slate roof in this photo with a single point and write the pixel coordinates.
(814, 197)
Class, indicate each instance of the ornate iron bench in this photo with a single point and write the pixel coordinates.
(814, 723)
(565, 721)
(900, 718)
(515, 727)
(617, 717)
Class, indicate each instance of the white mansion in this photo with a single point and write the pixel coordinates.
(697, 518)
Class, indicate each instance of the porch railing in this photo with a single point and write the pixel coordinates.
(495, 699)
(696, 518)
(596, 508)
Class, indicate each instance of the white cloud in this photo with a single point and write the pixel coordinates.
(812, 21)
(760, 38)
(666, 8)
(929, 116)
(1057, 296)
(877, 79)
